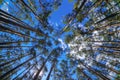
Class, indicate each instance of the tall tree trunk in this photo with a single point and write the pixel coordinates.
(105, 66)
(95, 72)
(81, 70)
(14, 46)
(5, 29)
(19, 23)
(42, 66)
(24, 73)
(77, 12)
(48, 77)
(106, 41)
(7, 73)
(38, 18)
(16, 42)
(106, 18)
(6, 63)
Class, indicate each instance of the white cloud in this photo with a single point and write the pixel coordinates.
(63, 45)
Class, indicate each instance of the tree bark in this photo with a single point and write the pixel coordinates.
(48, 77)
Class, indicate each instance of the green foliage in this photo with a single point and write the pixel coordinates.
(69, 38)
(1, 1)
(80, 17)
(66, 29)
(76, 5)
(70, 0)
(118, 77)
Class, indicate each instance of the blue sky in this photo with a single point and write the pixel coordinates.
(58, 15)
(56, 18)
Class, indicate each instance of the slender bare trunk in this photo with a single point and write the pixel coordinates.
(48, 77)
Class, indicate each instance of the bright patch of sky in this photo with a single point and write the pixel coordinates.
(85, 20)
(58, 15)
(63, 45)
